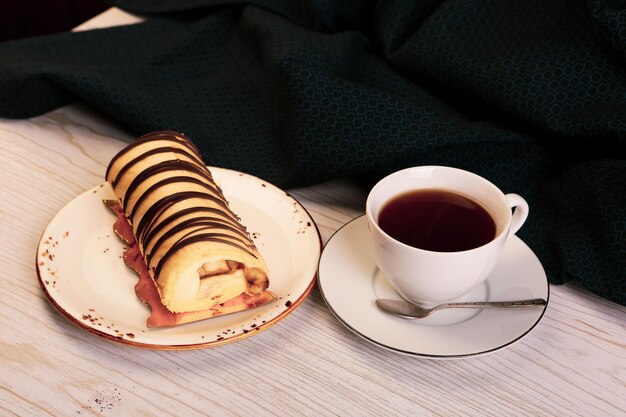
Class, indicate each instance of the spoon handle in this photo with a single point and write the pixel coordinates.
(496, 304)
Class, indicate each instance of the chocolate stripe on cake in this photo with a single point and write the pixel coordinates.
(205, 237)
(218, 215)
(195, 224)
(167, 181)
(140, 158)
(152, 214)
(161, 167)
(165, 135)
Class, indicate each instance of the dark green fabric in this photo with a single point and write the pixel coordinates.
(530, 94)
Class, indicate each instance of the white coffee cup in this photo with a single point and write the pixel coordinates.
(427, 277)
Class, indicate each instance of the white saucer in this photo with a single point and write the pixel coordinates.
(350, 282)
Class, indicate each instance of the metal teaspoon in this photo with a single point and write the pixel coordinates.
(414, 311)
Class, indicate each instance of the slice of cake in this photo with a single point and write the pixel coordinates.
(194, 257)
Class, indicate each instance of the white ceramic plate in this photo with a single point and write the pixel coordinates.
(83, 275)
(350, 282)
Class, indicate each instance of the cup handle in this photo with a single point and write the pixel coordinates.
(519, 214)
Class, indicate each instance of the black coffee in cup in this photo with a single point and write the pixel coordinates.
(437, 220)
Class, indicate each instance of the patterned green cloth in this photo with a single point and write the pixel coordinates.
(530, 94)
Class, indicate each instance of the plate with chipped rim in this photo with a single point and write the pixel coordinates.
(81, 270)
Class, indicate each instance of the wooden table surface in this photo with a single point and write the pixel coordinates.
(573, 363)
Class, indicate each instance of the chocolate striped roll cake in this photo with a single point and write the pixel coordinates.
(195, 257)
